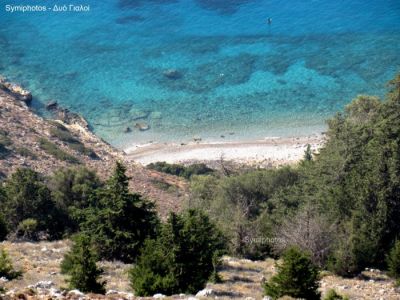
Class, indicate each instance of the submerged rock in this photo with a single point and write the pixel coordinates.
(52, 104)
(137, 114)
(172, 74)
(142, 126)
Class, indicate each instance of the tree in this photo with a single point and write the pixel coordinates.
(297, 277)
(80, 264)
(72, 190)
(393, 261)
(310, 232)
(6, 267)
(27, 197)
(118, 220)
(181, 259)
(308, 155)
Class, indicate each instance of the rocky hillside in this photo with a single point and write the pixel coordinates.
(28, 140)
(241, 278)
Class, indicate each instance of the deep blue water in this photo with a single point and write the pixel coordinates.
(238, 74)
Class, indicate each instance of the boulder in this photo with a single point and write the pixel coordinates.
(158, 296)
(205, 293)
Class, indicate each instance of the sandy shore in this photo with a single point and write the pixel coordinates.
(266, 152)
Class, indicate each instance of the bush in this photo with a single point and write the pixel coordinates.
(6, 267)
(72, 190)
(297, 277)
(393, 261)
(3, 228)
(80, 264)
(119, 221)
(181, 170)
(28, 229)
(63, 134)
(181, 259)
(54, 150)
(24, 185)
(332, 295)
(25, 152)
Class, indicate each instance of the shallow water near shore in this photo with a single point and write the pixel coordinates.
(208, 68)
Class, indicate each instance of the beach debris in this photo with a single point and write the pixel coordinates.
(172, 74)
(16, 90)
(142, 126)
(127, 130)
(52, 104)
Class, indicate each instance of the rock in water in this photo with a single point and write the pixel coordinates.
(142, 126)
(51, 105)
(172, 74)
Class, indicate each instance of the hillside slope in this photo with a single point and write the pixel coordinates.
(28, 140)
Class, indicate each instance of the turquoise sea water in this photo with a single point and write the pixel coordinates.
(239, 76)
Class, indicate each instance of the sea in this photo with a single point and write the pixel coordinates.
(167, 71)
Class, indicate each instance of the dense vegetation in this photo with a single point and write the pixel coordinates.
(340, 206)
(181, 170)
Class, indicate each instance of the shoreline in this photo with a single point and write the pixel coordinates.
(268, 152)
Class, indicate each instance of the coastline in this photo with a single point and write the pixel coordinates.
(266, 152)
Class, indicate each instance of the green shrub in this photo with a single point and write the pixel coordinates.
(5, 142)
(27, 197)
(296, 277)
(25, 152)
(3, 228)
(181, 170)
(393, 261)
(4, 138)
(80, 264)
(28, 229)
(332, 295)
(181, 259)
(54, 150)
(119, 221)
(64, 135)
(6, 267)
(72, 190)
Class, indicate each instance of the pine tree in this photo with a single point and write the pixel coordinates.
(393, 261)
(80, 264)
(297, 277)
(120, 221)
(180, 260)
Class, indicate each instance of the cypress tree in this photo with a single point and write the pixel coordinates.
(80, 264)
(120, 221)
(297, 277)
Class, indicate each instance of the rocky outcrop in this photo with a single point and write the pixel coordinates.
(16, 90)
